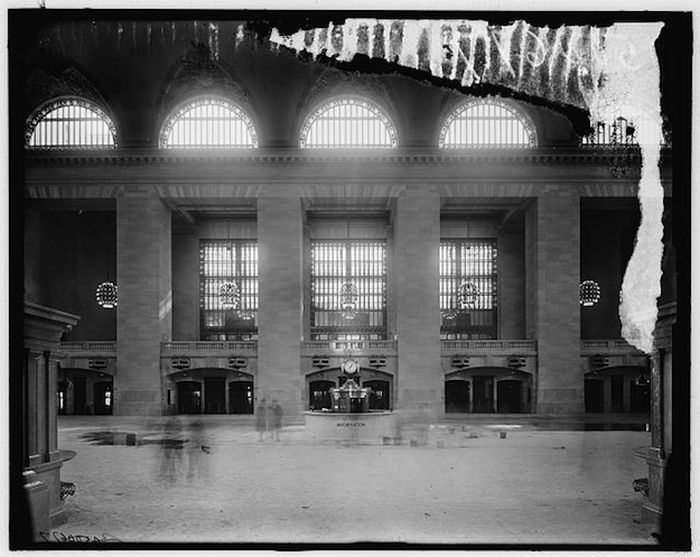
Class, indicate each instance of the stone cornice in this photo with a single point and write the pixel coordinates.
(155, 157)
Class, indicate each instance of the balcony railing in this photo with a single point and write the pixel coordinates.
(606, 345)
(491, 346)
(101, 347)
(194, 346)
(340, 346)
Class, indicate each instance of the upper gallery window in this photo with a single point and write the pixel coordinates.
(348, 289)
(210, 123)
(348, 123)
(228, 289)
(468, 285)
(70, 123)
(487, 123)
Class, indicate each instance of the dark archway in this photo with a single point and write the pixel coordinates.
(102, 397)
(509, 396)
(457, 396)
(380, 397)
(240, 397)
(319, 395)
(593, 395)
(189, 397)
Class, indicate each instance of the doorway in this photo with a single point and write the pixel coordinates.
(483, 394)
(508, 395)
(215, 395)
(79, 396)
(240, 397)
(456, 396)
(617, 403)
(102, 391)
(189, 397)
(639, 397)
(379, 397)
(319, 394)
(593, 395)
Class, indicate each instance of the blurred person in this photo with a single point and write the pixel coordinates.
(261, 420)
(170, 458)
(276, 413)
(197, 449)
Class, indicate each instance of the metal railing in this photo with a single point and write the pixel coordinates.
(606, 345)
(197, 345)
(89, 346)
(352, 345)
(500, 345)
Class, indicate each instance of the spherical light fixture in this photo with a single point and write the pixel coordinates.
(229, 295)
(106, 295)
(589, 292)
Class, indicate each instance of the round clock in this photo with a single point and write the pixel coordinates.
(350, 366)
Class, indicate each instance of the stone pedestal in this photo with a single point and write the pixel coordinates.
(416, 254)
(552, 240)
(144, 311)
(41, 458)
(280, 312)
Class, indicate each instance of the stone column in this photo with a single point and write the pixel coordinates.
(144, 311)
(416, 253)
(511, 278)
(280, 298)
(552, 232)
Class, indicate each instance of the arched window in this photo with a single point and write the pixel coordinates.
(487, 123)
(348, 123)
(208, 123)
(70, 123)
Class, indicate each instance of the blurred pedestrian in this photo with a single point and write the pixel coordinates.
(170, 461)
(197, 449)
(261, 420)
(276, 414)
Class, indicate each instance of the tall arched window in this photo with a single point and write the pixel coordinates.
(210, 123)
(348, 123)
(70, 123)
(486, 124)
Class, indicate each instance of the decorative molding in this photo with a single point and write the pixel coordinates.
(141, 157)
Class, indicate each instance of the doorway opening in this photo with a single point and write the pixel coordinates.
(319, 394)
(483, 394)
(456, 396)
(240, 397)
(509, 396)
(189, 397)
(379, 397)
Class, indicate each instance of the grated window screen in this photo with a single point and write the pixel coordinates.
(222, 261)
(334, 263)
(209, 123)
(465, 262)
(348, 123)
(486, 124)
(70, 124)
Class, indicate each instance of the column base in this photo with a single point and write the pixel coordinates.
(652, 507)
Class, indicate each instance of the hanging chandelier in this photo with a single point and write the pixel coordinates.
(229, 292)
(106, 291)
(467, 294)
(229, 295)
(106, 295)
(348, 300)
(589, 292)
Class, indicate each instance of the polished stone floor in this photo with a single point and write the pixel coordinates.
(488, 479)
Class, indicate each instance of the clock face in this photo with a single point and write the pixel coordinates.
(350, 366)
